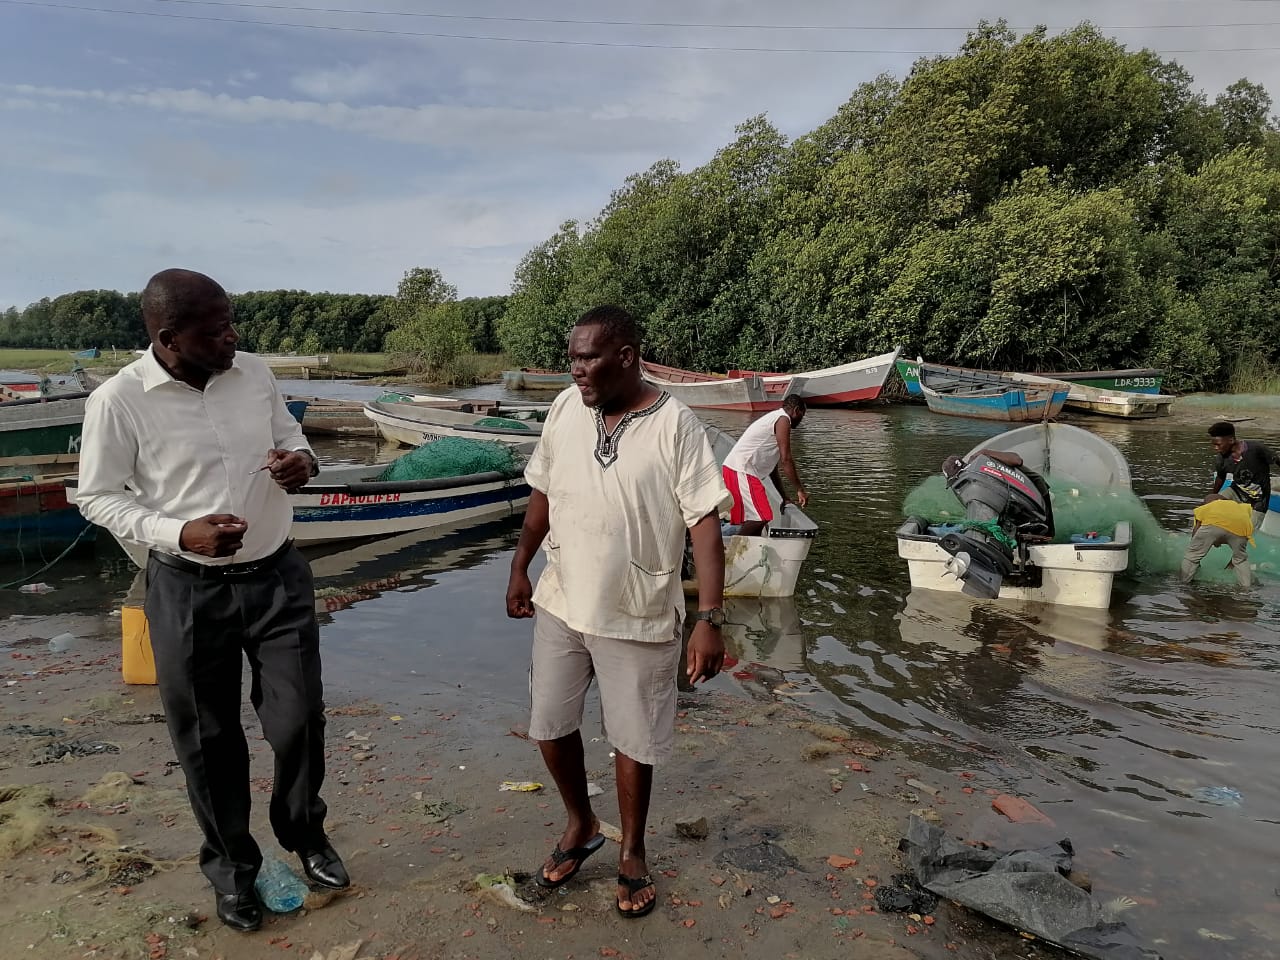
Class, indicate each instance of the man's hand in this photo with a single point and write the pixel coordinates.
(290, 469)
(802, 497)
(217, 535)
(519, 596)
(706, 652)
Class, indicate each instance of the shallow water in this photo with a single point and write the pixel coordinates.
(1112, 722)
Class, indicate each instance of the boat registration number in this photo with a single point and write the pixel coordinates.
(1136, 382)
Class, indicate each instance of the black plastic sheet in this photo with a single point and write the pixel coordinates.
(1026, 889)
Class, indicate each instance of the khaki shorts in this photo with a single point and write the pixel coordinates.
(637, 683)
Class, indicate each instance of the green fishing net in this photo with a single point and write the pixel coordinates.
(1078, 509)
(454, 457)
(503, 423)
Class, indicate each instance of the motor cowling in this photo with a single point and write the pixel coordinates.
(1007, 499)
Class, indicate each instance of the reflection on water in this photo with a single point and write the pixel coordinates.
(1117, 723)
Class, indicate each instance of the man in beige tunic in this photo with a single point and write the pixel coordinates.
(621, 472)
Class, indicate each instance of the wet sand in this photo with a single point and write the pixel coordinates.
(110, 871)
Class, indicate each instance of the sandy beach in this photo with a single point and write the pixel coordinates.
(803, 823)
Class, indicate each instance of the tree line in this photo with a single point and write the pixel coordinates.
(268, 321)
(1030, 203)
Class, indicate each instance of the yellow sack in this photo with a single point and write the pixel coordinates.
(138, 665)
(1231, 515)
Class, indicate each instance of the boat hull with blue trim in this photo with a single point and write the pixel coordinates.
(1079, 573)
(345, 503)
(990, 396)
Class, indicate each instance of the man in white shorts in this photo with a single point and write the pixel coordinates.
(763, 448)
(621, 471)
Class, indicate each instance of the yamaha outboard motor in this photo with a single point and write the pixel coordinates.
(1011, 500)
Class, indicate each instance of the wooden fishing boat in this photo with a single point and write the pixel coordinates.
(340, 417)
(706, 391)
(412, 424)
(36, 518)
(1108, 403)
(527, 378)
(346, 502)
(1144, 380)
(861, 381)
(42, 425)
(959, 392)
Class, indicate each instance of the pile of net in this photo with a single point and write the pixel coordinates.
(1079, 509)
(502, 423)
(454, 457)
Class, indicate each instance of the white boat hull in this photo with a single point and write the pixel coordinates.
(769, 565)
(1074, 575)
(763, 566)
(342, 504)
(845, 385)
(413, 426)
(323, 517)
(1109, 403)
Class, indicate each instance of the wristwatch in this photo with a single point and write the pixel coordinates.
(315, 464)
(714, 616)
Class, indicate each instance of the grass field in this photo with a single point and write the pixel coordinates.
(55, 361)
(488, 366)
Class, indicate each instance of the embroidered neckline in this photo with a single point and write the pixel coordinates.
(606, 452)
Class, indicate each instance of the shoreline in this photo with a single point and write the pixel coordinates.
(111, 870)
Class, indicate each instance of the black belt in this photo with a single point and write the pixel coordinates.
(223, 571)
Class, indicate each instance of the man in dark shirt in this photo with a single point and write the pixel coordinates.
(1249, 464)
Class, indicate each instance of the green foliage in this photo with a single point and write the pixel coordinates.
(1033, 202)
(432, 341)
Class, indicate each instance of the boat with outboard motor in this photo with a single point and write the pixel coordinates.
(1007, 546)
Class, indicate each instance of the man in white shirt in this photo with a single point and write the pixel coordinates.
(621, 471)
(190, 451)
(763, 447)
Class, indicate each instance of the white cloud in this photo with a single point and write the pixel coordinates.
(361, 246)
(346, 82)
(439, 125)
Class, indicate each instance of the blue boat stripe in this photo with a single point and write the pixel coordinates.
(407, 508)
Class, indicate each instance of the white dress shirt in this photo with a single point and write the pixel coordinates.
(156, 452)
(619, 506)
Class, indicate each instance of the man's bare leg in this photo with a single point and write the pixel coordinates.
(635, 785)
(566, 764)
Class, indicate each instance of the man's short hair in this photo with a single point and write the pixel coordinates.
(1223, 428)
(617, 324)
(794, 404)
(171, 295)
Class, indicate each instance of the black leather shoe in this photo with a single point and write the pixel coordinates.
(323, 866)
(240, 911)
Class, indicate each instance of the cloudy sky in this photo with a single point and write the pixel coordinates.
(326, 149)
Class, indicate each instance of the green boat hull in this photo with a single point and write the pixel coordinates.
(41, 441)
(1128, 381)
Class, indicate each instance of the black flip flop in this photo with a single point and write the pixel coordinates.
(635, 885)
(577, 854)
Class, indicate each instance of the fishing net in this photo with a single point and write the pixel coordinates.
(454, 457)
(1081, 510)
(502, 423)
